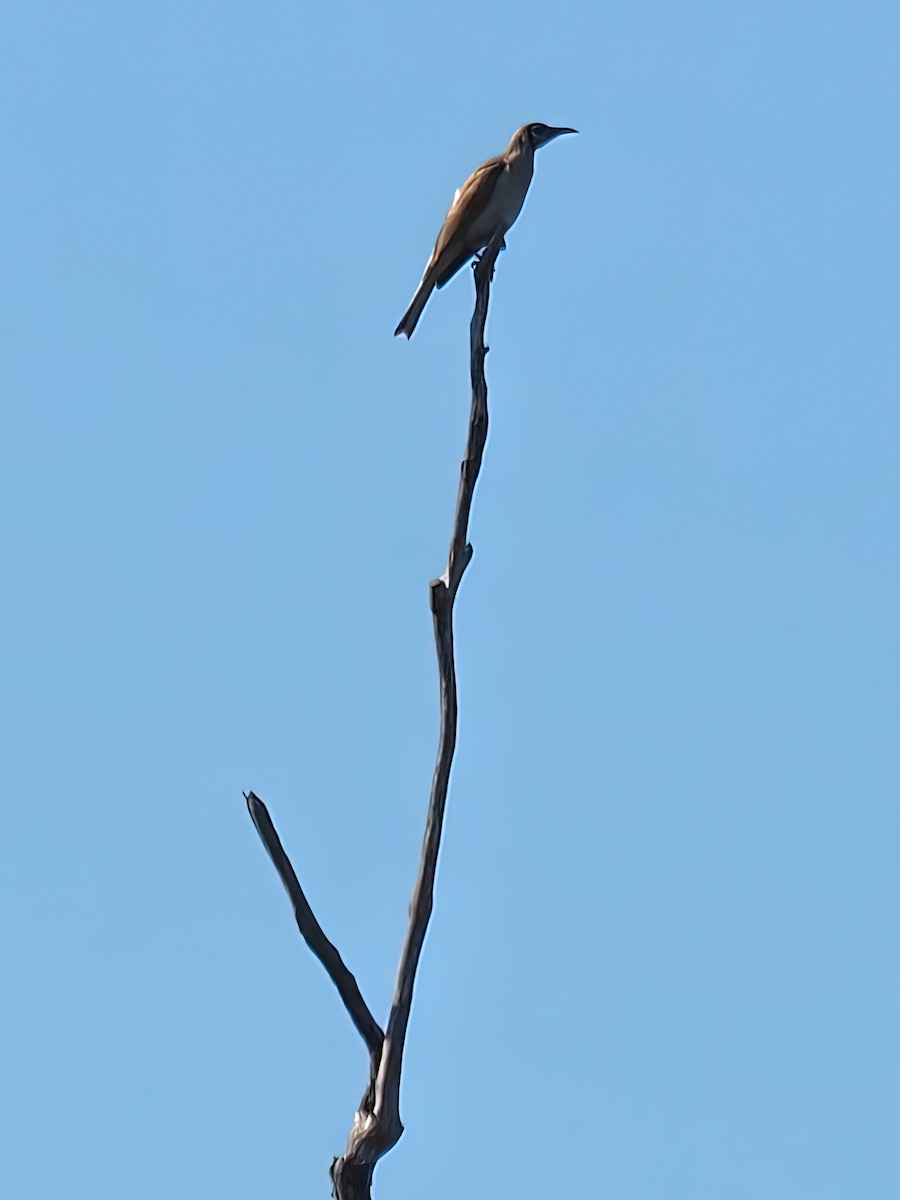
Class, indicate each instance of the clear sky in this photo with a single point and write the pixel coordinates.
(664, 962)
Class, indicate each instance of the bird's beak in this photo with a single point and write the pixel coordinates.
(555, 133)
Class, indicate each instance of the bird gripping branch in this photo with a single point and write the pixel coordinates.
(486, 206)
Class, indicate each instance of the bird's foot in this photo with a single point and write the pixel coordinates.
(479, 255)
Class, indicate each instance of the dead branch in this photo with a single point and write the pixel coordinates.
(376, 1125)
(327, 953)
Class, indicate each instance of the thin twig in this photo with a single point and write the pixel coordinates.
(312, 931)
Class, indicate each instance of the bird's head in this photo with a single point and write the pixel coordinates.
(539, 134)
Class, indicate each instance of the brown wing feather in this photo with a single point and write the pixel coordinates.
(454, 265)
(471, 199)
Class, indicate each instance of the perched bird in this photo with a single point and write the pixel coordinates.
(485, 206)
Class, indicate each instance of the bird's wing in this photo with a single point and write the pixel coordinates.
(449, 266)
(470, 200)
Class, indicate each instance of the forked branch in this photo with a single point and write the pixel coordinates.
(376, 1125)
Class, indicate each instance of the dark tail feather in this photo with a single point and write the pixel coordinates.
(412, 314)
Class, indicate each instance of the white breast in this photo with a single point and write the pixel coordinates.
(506, 202)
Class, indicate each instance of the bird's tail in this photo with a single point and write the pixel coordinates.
(412, 314)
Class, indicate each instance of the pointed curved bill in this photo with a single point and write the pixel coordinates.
(551, 133)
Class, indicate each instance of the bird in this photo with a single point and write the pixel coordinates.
(485, 207)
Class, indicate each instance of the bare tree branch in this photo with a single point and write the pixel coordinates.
(376, 1125)
(375, 1133)
(313, 935)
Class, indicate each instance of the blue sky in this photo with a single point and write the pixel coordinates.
(664, 956)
